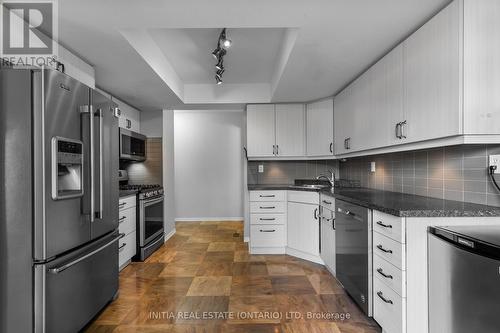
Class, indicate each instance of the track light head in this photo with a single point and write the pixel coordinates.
(218, 79)
(220, 64)
(224, 41)
(220, 72)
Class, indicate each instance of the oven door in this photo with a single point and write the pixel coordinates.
(151, 219)
(132, 146)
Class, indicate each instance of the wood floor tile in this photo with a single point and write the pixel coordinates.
(204, 267)
(221, 246)
(244, 285)
(260, 309)
(210, 286)
(285, 269)
(250, 269)
(291, 285)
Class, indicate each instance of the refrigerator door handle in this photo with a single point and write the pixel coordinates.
(99, 115)
(92, 167)
(64, 267)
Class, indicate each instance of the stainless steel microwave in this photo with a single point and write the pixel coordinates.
(132, 146)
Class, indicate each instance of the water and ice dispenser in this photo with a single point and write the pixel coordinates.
(67, 168)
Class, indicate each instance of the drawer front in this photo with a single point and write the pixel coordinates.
(389, 313)
(303, 197)
(267, 236)
(390, 226)
(390, 250)
(267, 195)
(127, 202)
(267, 207)
(390, 275)
(327, 202)
(127, 221)
(127, 248)
(272, 219)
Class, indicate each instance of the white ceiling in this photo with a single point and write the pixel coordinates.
(156, 54)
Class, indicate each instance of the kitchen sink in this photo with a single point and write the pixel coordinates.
(310, 186)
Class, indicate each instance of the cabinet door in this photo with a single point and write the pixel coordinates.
(327, 243)
(319, 120)
(386, 100)
(260, 130)
(343, 119)
(290, 130)
(432, 65)
(303, 228)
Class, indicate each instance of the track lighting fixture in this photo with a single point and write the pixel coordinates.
(223, 43)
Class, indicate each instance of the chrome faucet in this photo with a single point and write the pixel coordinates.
(330, 180)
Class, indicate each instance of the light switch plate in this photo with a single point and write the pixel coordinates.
(495, 160)
(261, 168)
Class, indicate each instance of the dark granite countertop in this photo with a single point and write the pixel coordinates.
(126, 193)
(282, 187)
(398, 204)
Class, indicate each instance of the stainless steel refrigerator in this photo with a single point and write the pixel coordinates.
(58, 202)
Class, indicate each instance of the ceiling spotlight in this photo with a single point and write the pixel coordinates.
(224, 41)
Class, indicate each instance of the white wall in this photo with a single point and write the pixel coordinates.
(151, 124)
(208, 164)
(168, 170)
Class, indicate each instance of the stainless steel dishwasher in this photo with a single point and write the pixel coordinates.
(464, 279)
(353, 241)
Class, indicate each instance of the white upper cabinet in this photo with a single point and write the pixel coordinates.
(290, 130)
(343, 120)
(319, 120)
(261, 135)
(129, 118)
(481, 67)
(432, 70)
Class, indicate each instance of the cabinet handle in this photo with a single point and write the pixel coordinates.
(397, 130)
(267, 196)
(381, 272)
(262, 230)
(122, 204)
(316, 213)
(331, 147)
(122, 219)
(274, 149)
(267, 219)
(381, 248)
(381, 295)
(402, 126)
(327, 202)
(122, 246)
(267, 207)
(277, 149)
(333, 224)
(380, 223)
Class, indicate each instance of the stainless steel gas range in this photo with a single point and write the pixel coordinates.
(150, 218)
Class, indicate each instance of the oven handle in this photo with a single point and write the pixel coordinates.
(148, 202)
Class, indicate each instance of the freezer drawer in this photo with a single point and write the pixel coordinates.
(71, 290)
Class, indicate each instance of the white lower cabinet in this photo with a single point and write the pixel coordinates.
(303, 229)
(127, 226)
(389, 309)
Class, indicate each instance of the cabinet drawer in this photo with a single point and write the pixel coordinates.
(267, 196)
(126, 249)
(389, 249)
(267, 235)
(303, 197)
(273, 219)
(391, 312)
(390, 226)
(127, 202)
(127, 221)
(327, 202)
(390, 275)
(267, 207)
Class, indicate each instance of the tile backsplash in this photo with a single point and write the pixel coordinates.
(454, 173)
(149, 171)
(285, 172)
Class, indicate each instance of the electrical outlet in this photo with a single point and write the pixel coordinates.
(261, 168)
(495, 160)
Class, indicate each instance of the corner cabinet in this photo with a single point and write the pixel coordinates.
(436, 88)
(275, 130)
(319, 128)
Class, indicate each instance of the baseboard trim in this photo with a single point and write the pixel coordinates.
(209, 219)
(169, 235)
(246, 239)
